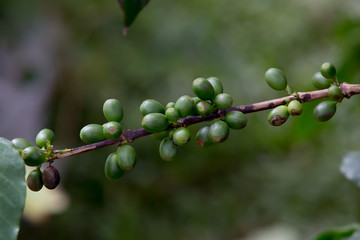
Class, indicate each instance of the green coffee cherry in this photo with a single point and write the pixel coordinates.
(276, 79)
(324, 110)
(112, 169)
(43, 136)
(295, 108)
(112, 130)
(33, 156)
(202, 137)
(170, 105)
(168, 149)
(184, 105)
(328, 70)
(219, 131)
(223, 101)
(278, 115)
(155, 122)
(20, 143)
(151, 106)
(217, 85)
(236, 119)
(34, 180)
(196, 100)
(160, 135)
(181, 136)
(51, 177)
(335, 93)
(203, 89)
(126, 157)
(113, 110)
(92, 133)
(204, 108)
(320, 82)
(172, 115)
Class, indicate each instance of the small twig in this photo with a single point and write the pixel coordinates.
(131, 135)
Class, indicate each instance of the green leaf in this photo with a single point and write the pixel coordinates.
(350, 167)
(12, 190)
(338, 233)
(131, 9)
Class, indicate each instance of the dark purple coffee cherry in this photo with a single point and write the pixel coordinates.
(51, 177)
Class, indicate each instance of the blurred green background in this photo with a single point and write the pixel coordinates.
(60, 60)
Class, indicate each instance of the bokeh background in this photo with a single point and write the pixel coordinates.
(60, 60)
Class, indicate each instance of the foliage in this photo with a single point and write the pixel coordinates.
(12, 185)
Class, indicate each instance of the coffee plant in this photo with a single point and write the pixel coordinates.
(169, 125)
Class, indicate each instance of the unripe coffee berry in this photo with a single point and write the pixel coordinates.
(328, 70)
(202, 137)
(203, 89)
(44, 136)
(155, 122)
(33, 156)
(276, 79)
(34, 180)
(320, 82)
(181, 136)
(172, 114)
(335, 93)
(204, 108)
(92, 133)
(21, 143)
(236, 119)
(112, 169)
(51, 177)
(113, 110)
(168, 149)
(151, 106)
(170, 105)
(126, 157)
(219, 131)
(184, 105)
(223, 101)
(196, 100)
(295, 108)
(278, 115)
(112, 130)
(217, 85)
(324, 110)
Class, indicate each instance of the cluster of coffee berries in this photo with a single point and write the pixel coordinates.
(36, 156)
(277, 80)
(124, 158)
(209, 99)
(113, 113)
(326, 78)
